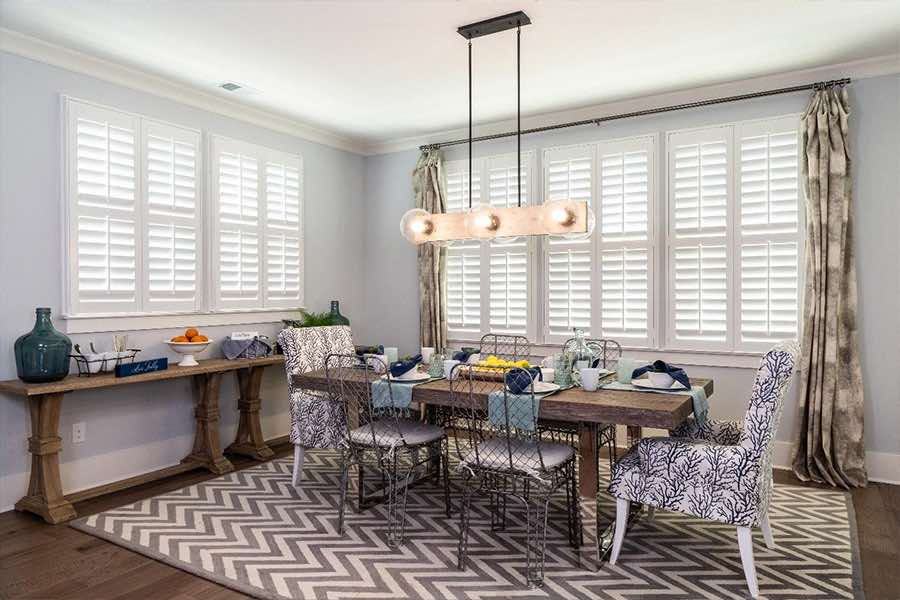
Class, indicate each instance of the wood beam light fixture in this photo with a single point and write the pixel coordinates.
(570, 218)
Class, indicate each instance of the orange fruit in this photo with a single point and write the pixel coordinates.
(179, 338)
(199, 338)
(191, 332)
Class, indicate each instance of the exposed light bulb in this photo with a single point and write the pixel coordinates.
(416, 225)
(482, 222)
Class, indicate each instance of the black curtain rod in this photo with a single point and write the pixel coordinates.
(650, 111)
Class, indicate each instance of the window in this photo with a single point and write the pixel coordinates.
(489, 284)
(734, 236)
(704, 257)
(135, 214)
(257, 249)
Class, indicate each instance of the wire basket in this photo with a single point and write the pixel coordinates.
(103, 362)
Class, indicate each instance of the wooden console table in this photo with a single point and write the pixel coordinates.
(45, 496)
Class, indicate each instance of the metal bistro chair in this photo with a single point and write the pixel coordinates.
(502, 456)
(609, 352)
(382, 436)
(507, 347)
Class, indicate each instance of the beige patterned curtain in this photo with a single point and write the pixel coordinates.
(428, 185)
(830, 445)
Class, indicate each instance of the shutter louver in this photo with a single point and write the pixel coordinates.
(104, 219)
(625, 240)
(172, 218)
(701, 293)
(701, 188)
(283, 243)
(568, 277)
(509, 293)
(768, 233)
(238, 264)
(463, 257)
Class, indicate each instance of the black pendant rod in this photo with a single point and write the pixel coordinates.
(470, 124)
(641, 113)
(518, 114)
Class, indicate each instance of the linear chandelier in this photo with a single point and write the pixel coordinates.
(573, 219)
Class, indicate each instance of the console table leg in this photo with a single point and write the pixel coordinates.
(249, 439)
(207, 451)
(45, 497)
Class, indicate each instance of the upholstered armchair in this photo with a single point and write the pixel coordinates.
(717, 470)
(317, 419)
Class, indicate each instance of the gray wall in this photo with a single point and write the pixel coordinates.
(144, 427)
(875, 145)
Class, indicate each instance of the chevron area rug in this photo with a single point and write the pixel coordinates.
(254, 532)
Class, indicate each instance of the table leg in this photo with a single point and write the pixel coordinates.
(635, 433)
(588, 488)
(45, 497)
(249, 439)
(207, 452)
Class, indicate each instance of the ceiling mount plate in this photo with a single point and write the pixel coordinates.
(494, 25)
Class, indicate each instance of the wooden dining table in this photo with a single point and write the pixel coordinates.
(589, 411)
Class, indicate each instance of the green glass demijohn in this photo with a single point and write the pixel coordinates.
(43, 354)
(336, 317)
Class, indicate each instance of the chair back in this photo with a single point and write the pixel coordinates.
(507, 347)
(609, 351)
(350, 381)
(501, 439)
(764, 412)
(305, 348)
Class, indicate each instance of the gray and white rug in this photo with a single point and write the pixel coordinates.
(254, 532)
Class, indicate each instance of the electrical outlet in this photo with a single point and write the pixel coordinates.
(79, 432)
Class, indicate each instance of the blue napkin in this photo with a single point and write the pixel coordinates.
(523, 409)
(391, 394)
(464, 354)
(677, 373)
(401, 367)
(519, 380)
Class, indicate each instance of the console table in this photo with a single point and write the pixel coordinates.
(45, 496)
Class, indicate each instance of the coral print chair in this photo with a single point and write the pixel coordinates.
(317, 419)
(718, 471)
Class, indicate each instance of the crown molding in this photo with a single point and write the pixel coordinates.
(860, 69)
(39, 50)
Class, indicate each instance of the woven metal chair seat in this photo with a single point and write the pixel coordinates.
(494, 455)
(393, 432)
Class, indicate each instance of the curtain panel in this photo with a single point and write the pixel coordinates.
(430, 195)
(830, 446)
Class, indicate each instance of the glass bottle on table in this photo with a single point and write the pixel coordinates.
(583, 356)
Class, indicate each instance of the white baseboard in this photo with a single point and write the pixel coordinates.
(882, 467)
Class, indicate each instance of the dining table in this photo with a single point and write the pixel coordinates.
(590, 412)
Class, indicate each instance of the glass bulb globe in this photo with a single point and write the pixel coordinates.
(482, 222)
(591, 224)
(416, 225)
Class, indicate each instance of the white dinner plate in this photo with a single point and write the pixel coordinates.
(544, 387)
(645, 383)
(407, 378)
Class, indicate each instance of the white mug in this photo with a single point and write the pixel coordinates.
(590, 379)
(448, 369)
(427, 352)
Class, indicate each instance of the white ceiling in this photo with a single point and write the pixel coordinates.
(381, 70)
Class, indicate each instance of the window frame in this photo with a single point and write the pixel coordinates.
(138, 317)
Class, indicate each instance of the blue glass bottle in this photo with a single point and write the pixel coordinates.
(43, 354)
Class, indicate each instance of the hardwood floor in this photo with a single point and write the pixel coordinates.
(40, 561)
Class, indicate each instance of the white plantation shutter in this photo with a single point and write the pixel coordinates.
(626, 240)
(568, 281)
(464, 272)
(172, 230)
(509, 262)
(768, 234)
(103, 212)
(699, 238)
(258, 251)
(284, 247)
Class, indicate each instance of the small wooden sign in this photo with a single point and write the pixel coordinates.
(142, 366)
